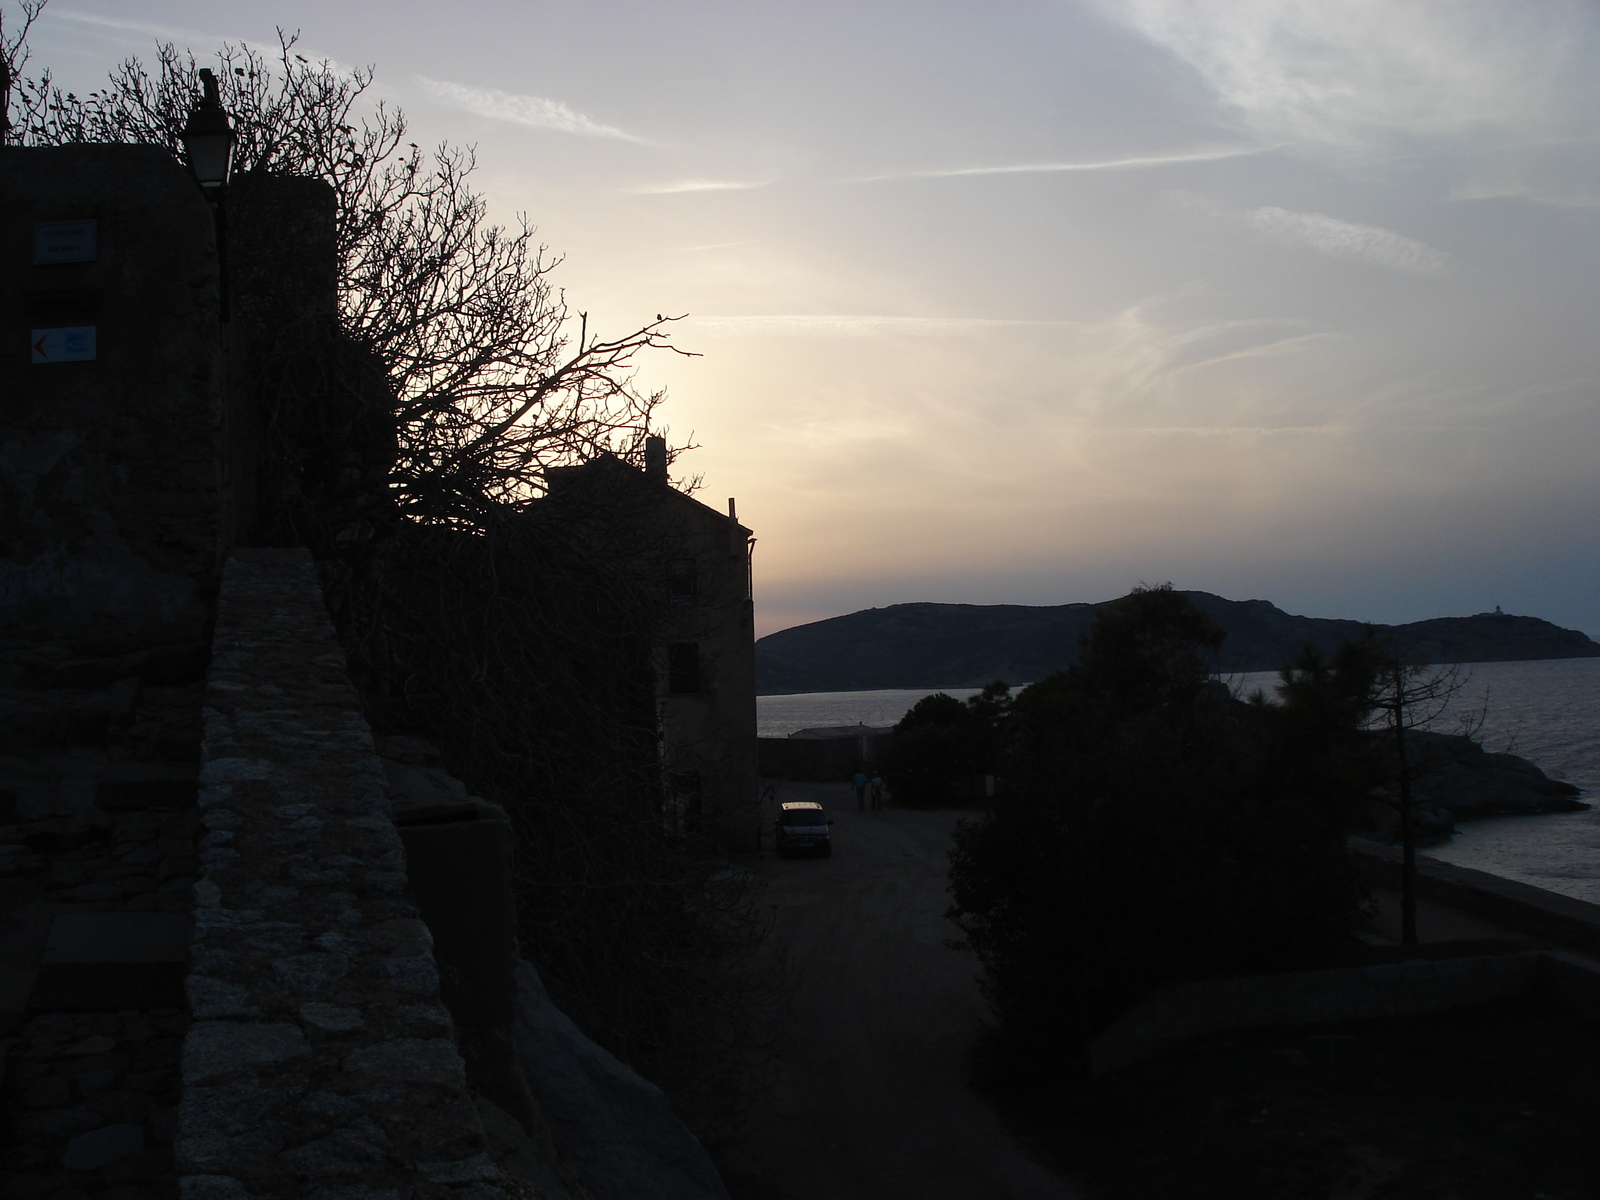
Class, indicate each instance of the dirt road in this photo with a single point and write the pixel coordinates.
(873, 1102)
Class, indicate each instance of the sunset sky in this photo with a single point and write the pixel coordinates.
(1027, 302)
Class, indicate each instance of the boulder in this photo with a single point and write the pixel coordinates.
(1457, 775)
(1456, 779)
(614, 1130)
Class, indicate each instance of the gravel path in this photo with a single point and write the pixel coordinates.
(873, 1101)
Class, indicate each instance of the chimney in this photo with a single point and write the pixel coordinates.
(655, 459)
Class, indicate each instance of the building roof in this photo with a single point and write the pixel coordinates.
(607, 470)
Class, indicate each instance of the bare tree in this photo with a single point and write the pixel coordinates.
(495, 378)
(1409, 697)
(451, 378)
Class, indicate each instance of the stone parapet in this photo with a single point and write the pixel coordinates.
(1520, 907)
(1177, 1013)
(320, 1061)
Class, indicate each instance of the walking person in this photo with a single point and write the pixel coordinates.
(860, 782)
(877, 792)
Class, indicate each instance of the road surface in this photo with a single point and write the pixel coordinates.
(872, 1102)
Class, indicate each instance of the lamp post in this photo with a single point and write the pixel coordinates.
(208, 137)
(208, 141)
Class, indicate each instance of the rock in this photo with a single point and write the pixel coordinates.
(308, 972)
(213, 1049)
(358, 1191)
(92, 893)
(211, 1187)
(478, 1168)
(231, 1108)
(212, 998)
(54, 1091)
(91, 1151)
(57, 1122)
(615, 1130)
(214, 1154)
(330, 1018)
(414, 976)
(233, 770)
(519, 1157)
(411, 1060)
(118, 1106)
(1458, 777)
(348, 1151)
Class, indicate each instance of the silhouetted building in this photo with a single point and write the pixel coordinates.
(697, 561)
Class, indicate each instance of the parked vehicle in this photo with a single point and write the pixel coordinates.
(803, 826)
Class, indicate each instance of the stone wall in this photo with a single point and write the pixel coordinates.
(1177, 1013)
(320, 1054)
(327, 1057)
(1527, 910)
(1183, 1011)
(112, 512)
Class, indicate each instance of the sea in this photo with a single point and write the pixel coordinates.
(1547, 711)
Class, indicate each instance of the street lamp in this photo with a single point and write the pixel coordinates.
(208, 137)
(208, 140)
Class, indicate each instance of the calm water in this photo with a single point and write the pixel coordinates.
(1548, 712)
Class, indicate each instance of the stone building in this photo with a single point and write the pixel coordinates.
(234, 961)
(115, 510)
(697, 560)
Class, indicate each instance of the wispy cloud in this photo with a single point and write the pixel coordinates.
(850, 325)
(1345, 239)
(537, 112)
(1366, 69)
(700, 185)
(719, 245)
(1223, 431)
(166, 33)
(197, 41)
(1111, 164)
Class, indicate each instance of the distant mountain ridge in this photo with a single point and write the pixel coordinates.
(967, 645)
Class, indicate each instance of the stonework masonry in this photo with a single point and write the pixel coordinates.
(320, 1061)
(241, 955)
(112, 503)
(1530, 912)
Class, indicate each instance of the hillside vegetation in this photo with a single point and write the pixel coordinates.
(968, 645)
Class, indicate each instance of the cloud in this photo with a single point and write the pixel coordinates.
(1345, 239)
(1114, 164)
(166, 33)
(533, 111)
(719, 245)
(192, 38)
(1360, 70)
(849, 325)
(700, 185)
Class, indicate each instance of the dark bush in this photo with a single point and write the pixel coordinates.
(942, 746)
(1151, 828)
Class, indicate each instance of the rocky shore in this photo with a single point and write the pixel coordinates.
(1457, 780)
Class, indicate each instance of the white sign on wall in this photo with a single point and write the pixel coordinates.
(74, 343)
(64, 242)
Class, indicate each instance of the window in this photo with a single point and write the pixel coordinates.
(683, 668)
(682, 581)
